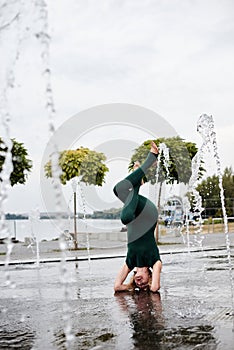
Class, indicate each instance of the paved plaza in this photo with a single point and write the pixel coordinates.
(57, 305)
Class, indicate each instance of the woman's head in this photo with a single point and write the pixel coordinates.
(142, 277)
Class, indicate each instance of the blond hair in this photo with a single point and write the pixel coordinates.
(132, 284)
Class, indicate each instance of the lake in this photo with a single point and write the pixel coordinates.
(45, 229)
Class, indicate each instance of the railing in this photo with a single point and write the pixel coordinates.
(216, 227)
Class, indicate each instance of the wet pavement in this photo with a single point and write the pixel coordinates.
(40, 304)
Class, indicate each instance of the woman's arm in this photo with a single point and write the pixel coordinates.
(155, 285)
(119, 285)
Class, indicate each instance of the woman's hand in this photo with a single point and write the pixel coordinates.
(119, 285)
(155, 284)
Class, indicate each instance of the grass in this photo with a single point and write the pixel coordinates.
(70, 249)
(216, 228)
(167, 243)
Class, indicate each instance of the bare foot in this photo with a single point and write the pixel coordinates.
(136, 165)
(154, 148)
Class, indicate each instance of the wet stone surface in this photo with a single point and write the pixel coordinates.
(192, 311)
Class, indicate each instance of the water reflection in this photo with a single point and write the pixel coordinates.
(17, 337)
(151, 327)
(146, 318)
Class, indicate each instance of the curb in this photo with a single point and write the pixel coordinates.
(102, 256)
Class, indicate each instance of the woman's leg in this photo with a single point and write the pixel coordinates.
(127, 190)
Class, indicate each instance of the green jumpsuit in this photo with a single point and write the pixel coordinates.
(140, 216)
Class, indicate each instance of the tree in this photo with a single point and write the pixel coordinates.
(83, 163)
(21, 164)
(180, 156)
(80, 162)
(210, 192)
(178, 168)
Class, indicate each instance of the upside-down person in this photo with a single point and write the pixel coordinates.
(140, 216)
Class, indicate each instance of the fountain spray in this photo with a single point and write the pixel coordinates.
(205, 127)
(82, 197)
(9, 20)
(163, 152)
(44, 40)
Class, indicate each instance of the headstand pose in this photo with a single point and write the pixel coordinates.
(140, 215)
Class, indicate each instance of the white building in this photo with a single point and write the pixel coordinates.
(173, 211)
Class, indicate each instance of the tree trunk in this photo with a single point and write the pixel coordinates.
(75, 238)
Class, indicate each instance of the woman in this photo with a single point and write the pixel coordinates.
(140, 215)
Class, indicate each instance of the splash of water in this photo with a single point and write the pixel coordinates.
(193, 182)
(15, 24)
(205, 127)
(196, 164)
(163, 154)
(44, 39)
(67, 233)
(7, 169)
(34, 218)
(8, 18)
(83, 202)
(187, 207)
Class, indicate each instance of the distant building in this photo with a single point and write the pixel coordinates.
(173, 211)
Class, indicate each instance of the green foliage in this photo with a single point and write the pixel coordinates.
(113, 213)
(21, 164)
(80, 162)
(180, 155)
(210, 192)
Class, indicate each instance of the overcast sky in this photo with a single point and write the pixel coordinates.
(174, 57)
